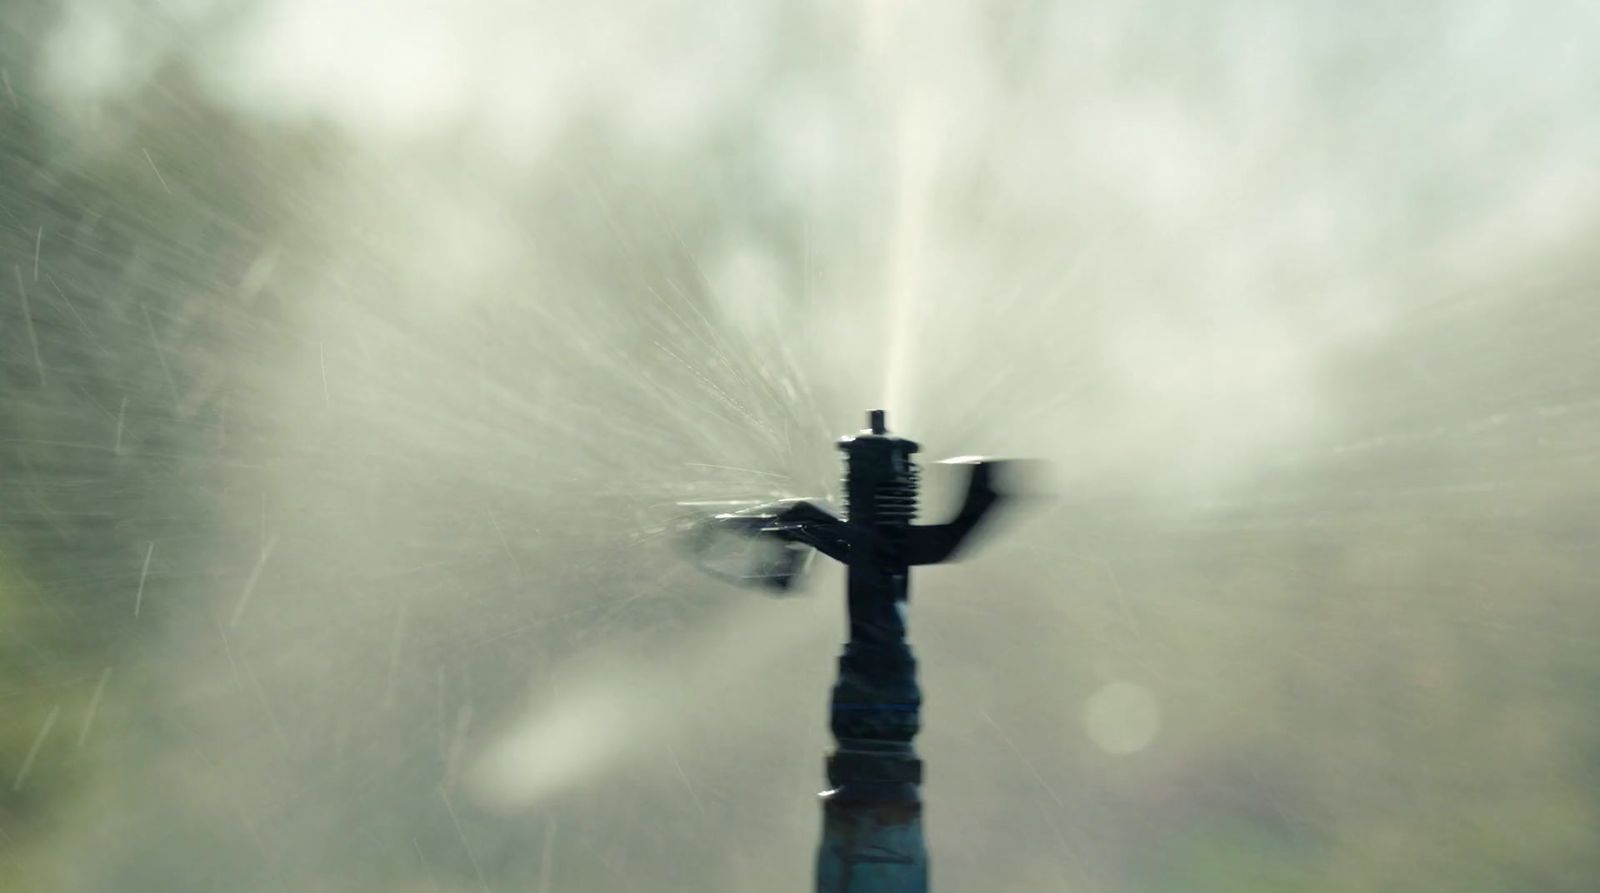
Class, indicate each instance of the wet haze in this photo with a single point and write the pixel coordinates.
(360, 357)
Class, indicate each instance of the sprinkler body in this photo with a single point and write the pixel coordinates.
(872, 811)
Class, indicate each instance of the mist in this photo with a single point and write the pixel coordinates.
(361, 359)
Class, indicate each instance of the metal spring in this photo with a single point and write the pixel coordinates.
(897, 497)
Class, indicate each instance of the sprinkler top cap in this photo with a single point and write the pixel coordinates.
(876, 436)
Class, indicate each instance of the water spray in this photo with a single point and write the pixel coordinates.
(872, 811)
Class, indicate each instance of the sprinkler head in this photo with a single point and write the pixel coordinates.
(771, 544)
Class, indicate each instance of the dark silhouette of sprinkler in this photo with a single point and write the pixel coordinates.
(872, 813)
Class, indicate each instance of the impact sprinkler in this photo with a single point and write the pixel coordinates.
(872, 812)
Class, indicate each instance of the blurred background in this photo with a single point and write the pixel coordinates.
(357, 358)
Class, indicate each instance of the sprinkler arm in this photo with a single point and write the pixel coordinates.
(790, 520)
(936, 543)
(808, 524)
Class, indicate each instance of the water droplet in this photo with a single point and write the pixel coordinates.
(1122, 718)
